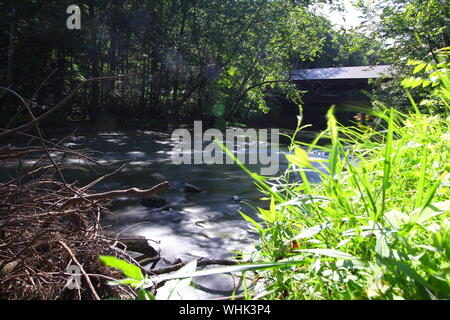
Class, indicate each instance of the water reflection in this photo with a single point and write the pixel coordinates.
(191, 225)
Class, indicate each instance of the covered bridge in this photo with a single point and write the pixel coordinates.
(341, 86)
(342, 73)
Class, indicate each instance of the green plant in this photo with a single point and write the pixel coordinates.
(134, 276)
(377, 226)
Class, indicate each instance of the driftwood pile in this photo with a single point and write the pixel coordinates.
(48, 226)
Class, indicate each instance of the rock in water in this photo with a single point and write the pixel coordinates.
(153, 202)
(237, 198)
(133, 242)
(189, 188)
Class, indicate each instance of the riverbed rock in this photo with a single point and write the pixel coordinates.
(153, 202)
(189, 188)
(133, 242)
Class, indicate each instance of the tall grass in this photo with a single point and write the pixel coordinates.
(377, 225)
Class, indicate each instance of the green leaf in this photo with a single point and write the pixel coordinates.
(408, 82)
(310, 232)
(332, 125)
(414, 62)
(270, 215)
(426, 83)
(396, 218)
(253, 222)
(421, 215)
(417, 82)
(273, 209)
(308, 199)
(381, 247)
(302, 158)
(128, 269)
(330, 253)
(126, 281)
(408, 271)
(145, 295)
(231, 269)
(387, 161)
(419, 67)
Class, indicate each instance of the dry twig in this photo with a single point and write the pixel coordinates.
(135, 192)
(86, 277)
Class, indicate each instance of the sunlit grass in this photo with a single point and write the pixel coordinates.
(377, 225)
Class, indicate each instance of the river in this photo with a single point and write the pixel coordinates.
(190, 225)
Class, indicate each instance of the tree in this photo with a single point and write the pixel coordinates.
(185, 56)
(409, 29)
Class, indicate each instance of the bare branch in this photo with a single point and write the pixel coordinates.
(119, 193)
(58, 106)
(86, 277)
(202, 262)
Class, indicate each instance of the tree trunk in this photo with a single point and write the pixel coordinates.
(12, 44)
(142, 101)
(94, 57)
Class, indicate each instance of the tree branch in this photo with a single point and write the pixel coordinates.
(202, 262)
(58, 106)
(119, 193)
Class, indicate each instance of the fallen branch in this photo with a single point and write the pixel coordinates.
(93, 183)
(145, 260)
(119, 193)
(202, 262)
(7, 152)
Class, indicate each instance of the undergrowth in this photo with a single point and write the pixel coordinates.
(376, 226)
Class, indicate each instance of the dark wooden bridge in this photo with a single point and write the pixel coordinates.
(341, 86)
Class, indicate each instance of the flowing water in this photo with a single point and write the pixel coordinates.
(190, 225)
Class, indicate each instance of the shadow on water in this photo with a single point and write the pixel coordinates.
(192, 225)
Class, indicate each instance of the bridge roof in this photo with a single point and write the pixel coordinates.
(364, 72)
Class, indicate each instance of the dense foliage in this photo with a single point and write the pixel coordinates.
(408, 29)
(188, 59)
(377, 224)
